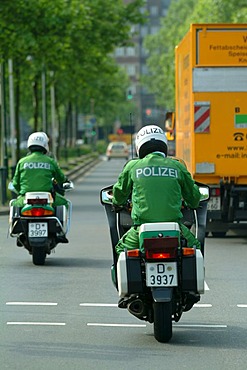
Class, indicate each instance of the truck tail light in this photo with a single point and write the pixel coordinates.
(215, 192)
(161, 248)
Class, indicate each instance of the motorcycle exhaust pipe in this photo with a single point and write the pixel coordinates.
(136, 308)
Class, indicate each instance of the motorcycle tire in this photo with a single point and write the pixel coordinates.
(38, 254)
(162, 321)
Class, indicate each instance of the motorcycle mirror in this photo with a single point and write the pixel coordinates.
(106, 196)
(204, 191)
(68, 185)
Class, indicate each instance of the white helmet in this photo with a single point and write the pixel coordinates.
(151, 133)
(38, 139)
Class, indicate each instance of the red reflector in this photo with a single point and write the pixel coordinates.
(155, 254)
(37, 212)
(161, 248)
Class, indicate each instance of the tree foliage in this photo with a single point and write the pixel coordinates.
(74, 39)
(161, 46)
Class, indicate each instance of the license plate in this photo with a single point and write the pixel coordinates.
(37, 229)
(161, 274)
(214, 204)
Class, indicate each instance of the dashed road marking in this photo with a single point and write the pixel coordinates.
(36, 323)
(199, 326)
(116, 325)
(202, 305)
(99, 304)
(31, 303)
(144, 325)
(198, 305)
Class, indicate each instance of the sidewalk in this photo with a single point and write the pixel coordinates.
(4, 210)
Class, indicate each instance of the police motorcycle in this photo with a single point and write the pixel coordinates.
(164, 278)
(38, 225)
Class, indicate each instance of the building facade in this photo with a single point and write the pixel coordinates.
(133, 60)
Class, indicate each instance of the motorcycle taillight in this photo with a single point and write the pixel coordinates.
(161, 248)
(38, 212)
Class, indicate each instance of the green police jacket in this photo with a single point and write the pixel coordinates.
(35, 172)
(157, 184)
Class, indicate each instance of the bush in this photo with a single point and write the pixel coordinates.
(101, 146)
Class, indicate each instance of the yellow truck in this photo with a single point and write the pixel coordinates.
(211, 118)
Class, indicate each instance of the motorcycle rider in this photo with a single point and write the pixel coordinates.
(37, 171)
(158, 185)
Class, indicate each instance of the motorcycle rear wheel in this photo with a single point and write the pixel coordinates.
(38, 254)
(162, 321)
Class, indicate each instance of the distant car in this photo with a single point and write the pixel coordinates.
(117, 149)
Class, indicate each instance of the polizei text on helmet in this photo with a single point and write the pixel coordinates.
(151, 130)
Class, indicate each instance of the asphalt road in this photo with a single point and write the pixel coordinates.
(63, 315)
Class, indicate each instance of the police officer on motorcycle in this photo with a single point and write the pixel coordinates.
(37, 172)
(158, 185)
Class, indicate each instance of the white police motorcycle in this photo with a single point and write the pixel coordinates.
(163, 278)
(38, 225)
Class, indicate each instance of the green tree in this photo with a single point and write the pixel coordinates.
(161, 47)
(72, 38)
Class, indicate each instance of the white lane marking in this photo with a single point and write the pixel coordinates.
(31, 303)
(242, 305)
(36, 323)
(198, 305)
(202, 305)
(206, 286)
(199, 326)
(117, 325)
(99, 304)
(143, 325)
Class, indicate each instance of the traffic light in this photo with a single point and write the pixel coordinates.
(129, 95)
(148, 112)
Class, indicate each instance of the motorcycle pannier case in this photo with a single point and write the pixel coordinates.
(129, 275)
(193, 273)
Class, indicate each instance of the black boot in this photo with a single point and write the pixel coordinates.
(192, 298)
(20, 240)
(61, 239)
(123, 302)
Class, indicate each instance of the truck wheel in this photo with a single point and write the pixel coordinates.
(162, 321)
(39, 255)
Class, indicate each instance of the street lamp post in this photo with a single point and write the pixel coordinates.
(4, 154)
(12, 113)
(53, 116)
(44, 114)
